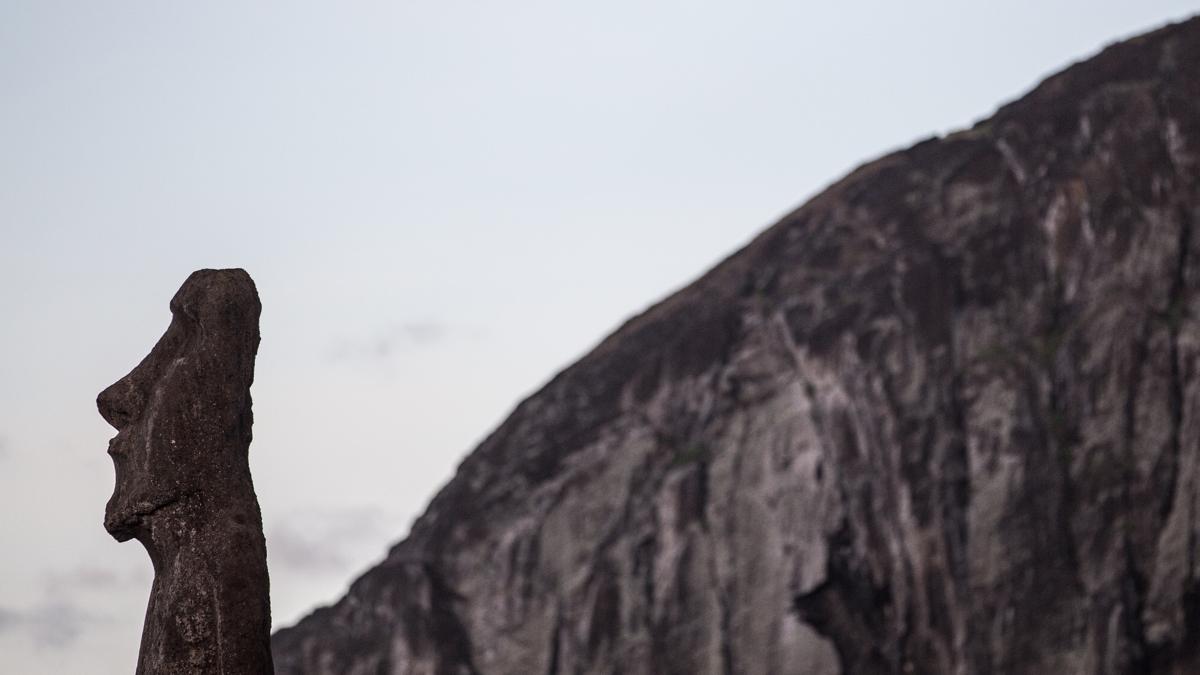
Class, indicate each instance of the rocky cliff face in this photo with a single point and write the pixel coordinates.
(944, 418)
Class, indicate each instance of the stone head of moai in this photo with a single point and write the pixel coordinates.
(183, 414)
(183, 489)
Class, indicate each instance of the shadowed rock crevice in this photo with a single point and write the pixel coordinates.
(851, 610)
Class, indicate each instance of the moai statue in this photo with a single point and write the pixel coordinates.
(183, 484)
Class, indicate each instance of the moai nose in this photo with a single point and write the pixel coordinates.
(119, 403)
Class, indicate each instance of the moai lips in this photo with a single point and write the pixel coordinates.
(183, 486)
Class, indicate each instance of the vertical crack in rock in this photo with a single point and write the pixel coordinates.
(553, 668)
(850, 610)
(1177, 311)
(448, 635)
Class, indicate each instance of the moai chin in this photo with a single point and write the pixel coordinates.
(183, 485)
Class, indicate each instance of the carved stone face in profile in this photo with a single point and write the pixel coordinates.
(183, 414)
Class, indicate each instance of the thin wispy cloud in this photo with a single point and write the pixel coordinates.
(55, 624)
(323, 541)
(397, 339)
(85, 578)
(298, 550)
(63, 615)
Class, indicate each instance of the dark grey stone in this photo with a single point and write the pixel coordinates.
(942, 419)
(183, 487)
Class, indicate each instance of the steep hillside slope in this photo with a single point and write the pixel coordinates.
(944, 418)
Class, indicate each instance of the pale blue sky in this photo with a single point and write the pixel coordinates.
(442, 203)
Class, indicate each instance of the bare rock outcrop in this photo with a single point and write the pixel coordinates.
(943, 418)
(183, 486)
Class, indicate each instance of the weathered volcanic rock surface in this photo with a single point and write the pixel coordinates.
(944, 418)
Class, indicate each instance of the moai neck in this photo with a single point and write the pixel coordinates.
(205, 613)
(183, 486)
